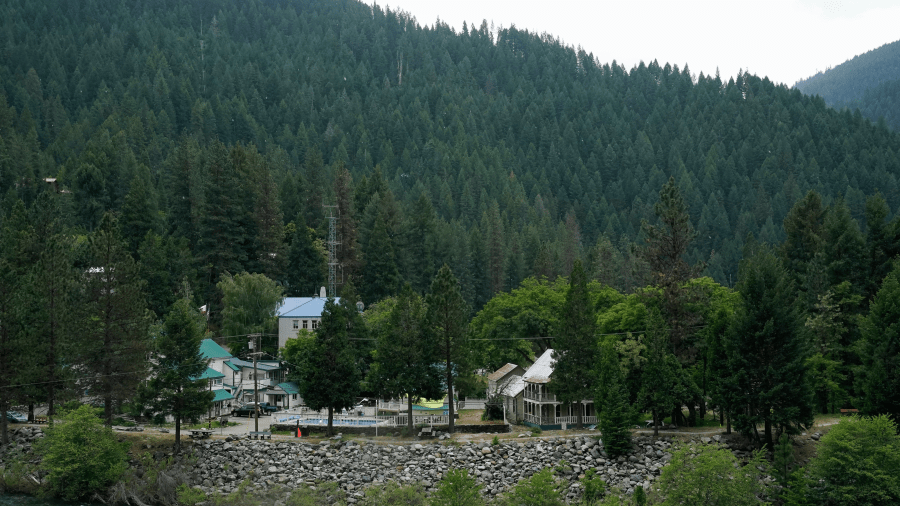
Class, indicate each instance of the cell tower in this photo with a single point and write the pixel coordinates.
(332, 248)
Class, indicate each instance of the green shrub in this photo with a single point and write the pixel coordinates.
(593, 487)
(457, 489)
(81, 455)
(495, 441)
(858, 463)
(536, 431)
(640, 498)
(189, 496)
(711, 475)
(393, 494)
(542, 489)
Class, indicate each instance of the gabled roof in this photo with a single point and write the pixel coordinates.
(303, 307)
(222, 395)
(514, 387)
(289, 387)
(209, 349)
(232, 366)
(541, 369)
(500, 373)
(209, 373)
(260, 365)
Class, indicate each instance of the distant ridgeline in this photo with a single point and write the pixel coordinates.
(498, 151)
(869, 82)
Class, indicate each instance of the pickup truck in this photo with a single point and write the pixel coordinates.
(268, 408)
(247, 410)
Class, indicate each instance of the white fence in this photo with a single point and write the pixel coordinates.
(340, 419)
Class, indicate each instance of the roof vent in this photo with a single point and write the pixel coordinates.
(322, 292)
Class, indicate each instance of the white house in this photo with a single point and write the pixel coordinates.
(541, 407)
(507, 382)
(299, 314)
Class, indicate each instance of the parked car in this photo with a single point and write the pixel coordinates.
(16, 417)
(268, 408)
(247, 410)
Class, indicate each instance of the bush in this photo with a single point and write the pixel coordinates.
(711, 475)
(189, 496)
(81, 455)
(858, 463)
(541, 489)
(593, 486)
(457, 489)
(393, 494)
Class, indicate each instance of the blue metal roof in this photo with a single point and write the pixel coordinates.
(209, 373)
(209, 349)
(261, 365)
(222, 395)
(303, 307)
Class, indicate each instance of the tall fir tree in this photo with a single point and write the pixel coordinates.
(177, 387)
(405, 358)
(114, 322)
(575, 346)
(306, 265)
(879, 349)
(613, 409)
(447, 319)
(767, 353)
(326, 368)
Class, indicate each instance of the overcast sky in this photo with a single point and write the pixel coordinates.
(785, 40)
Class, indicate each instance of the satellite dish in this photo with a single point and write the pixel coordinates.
(322, 292)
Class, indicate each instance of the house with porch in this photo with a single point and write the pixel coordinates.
(540, 404)
(508, 384)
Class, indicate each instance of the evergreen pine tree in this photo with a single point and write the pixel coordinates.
(767, 353)
(175, 388)
(575, 347)
(447, 319)
(611, 396)
(306, 265)
(879, 381)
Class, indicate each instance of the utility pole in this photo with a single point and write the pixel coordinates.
(255, 345)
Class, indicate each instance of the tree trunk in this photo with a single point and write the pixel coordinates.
(4, 436)
(177, 432)
(692, 416)
(769, 434)
(409, 419)
(728, 427)
(450, 389)
(330, 430)
(578, 413)
(655, 425)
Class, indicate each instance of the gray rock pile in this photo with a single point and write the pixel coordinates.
(222, 465)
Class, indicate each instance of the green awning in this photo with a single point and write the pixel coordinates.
(289, 388)
(222, 395)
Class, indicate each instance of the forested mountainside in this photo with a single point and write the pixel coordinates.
(216, 130)
(882, 101)
(869, 82)
(848, 81)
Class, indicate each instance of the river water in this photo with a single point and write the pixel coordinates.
(27, 500)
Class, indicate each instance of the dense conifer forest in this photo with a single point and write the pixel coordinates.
(869, 82)
(208, 126)
(714, 243)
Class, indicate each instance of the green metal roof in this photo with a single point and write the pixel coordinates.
(210, 373)
(209, 350)
(289, 387)
(222, 395)
(233, 367)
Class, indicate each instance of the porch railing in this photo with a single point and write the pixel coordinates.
(559, 420)
(321, 418)
(532, 396)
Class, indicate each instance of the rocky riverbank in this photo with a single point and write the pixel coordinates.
(221, 466)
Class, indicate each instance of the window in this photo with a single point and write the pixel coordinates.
(315, 324)
(296, 324)
(305, 323)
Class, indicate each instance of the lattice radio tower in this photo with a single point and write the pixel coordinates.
(332, 248)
